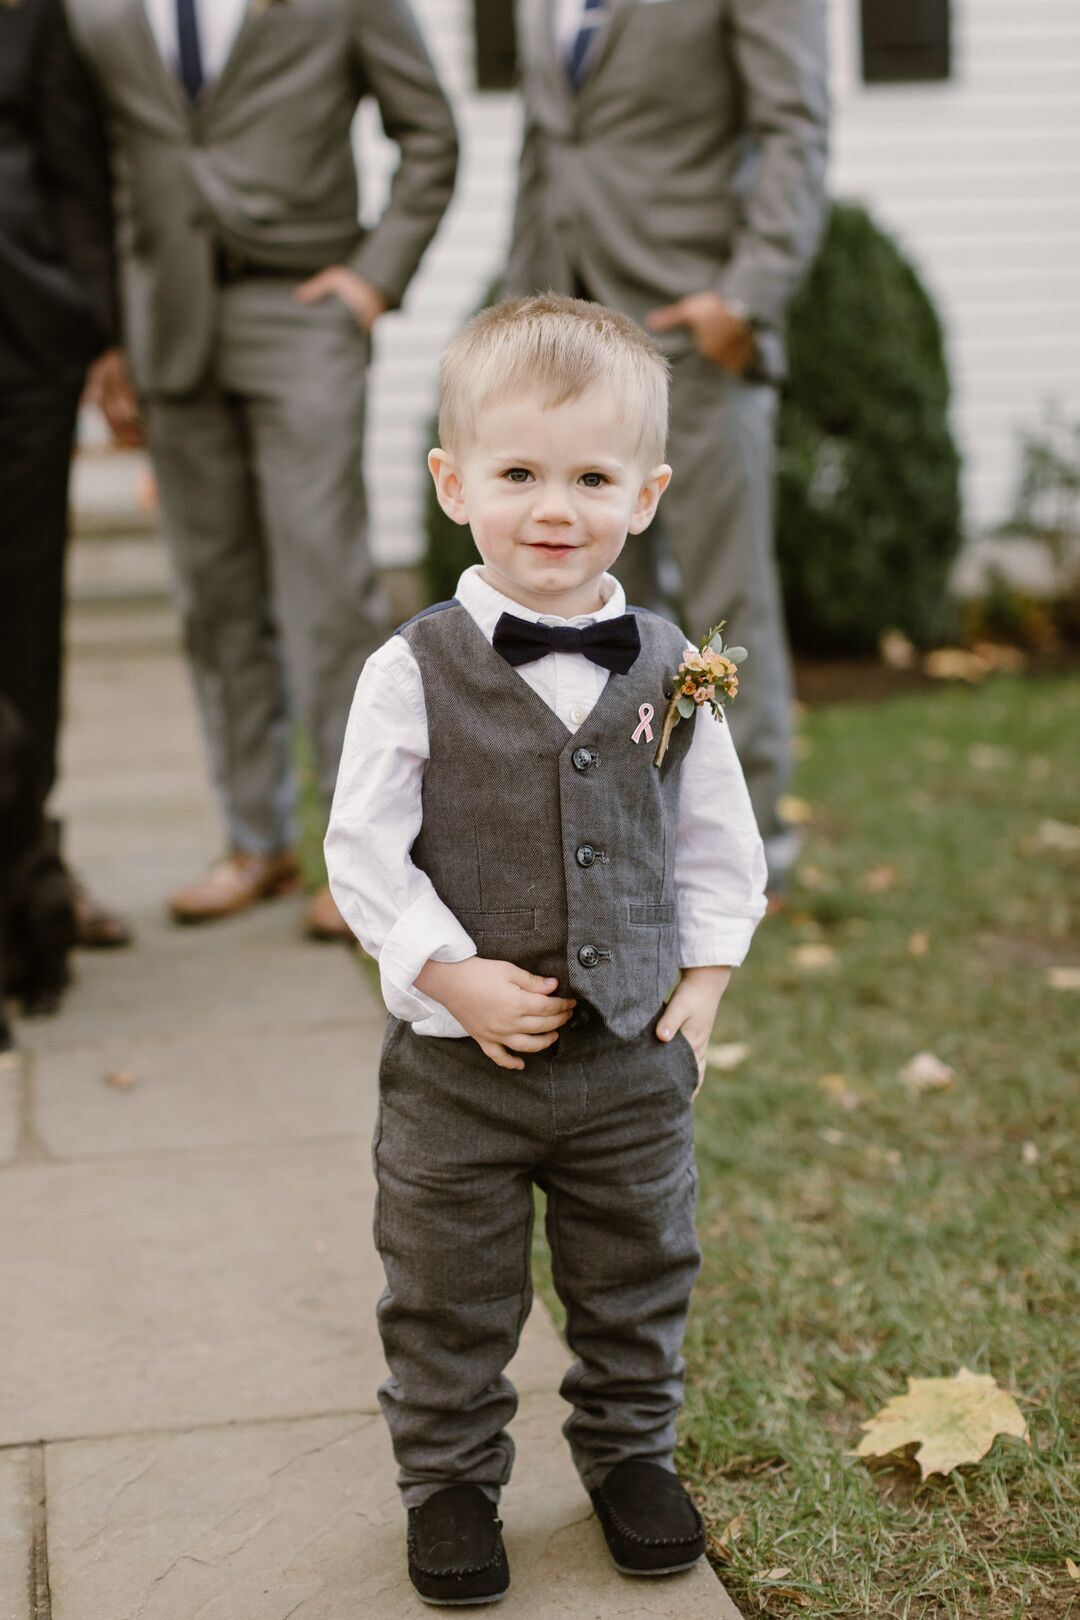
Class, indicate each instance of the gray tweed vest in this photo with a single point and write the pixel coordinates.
(556, 850)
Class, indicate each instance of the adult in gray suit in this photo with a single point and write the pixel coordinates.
(248, 293)
(673, 167)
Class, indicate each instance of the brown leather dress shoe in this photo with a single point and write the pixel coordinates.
(324, 920)
(96, 927)
(235, 883)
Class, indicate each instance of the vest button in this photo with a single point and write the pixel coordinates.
(588, 956)
(582, 758)
(585, 855)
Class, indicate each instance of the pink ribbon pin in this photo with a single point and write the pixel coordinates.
(645, 714)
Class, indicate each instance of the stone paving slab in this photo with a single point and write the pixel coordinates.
(181, 1289)
(247, 972)
(250, 1085)
(16, 1535)
(301, 1521)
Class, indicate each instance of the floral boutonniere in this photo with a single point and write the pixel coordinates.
(710, 676)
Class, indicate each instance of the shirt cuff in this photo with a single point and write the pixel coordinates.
(424, 930)
(716, 944)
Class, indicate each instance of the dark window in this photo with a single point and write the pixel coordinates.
(496, 44)
(904, 40)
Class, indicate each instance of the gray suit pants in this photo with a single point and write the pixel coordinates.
(606, 1128)
(712, 557)
(263, 503)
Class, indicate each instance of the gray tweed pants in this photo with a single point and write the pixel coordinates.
(605, 1127)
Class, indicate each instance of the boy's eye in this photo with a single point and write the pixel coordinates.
(593, 480)
(517, 475)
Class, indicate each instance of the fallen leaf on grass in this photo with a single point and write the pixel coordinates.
(878, 879)
(926, 1072)
(721, 1544)
(812, 877)
(1073, 1569)
(1063, 978)
(999, 655)
(955, 664)
(774, 1575)
(1029, 1153)
(813, 956)
(833, 1085)
(794, 810)
(954, 1420)
(836, 1086)
(985, 757)
(831, 1135)
(918, 944)
(1058, 835)
(727, 1055)
(120, 1079)
(897, 650)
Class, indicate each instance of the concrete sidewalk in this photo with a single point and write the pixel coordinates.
(188, 1355)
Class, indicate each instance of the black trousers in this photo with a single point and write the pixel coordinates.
(37, 425)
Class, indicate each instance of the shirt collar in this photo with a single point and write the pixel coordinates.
(487, 605)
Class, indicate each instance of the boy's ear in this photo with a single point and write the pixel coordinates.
(448, 490)
(649, 498)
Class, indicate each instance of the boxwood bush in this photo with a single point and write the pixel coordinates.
(868, 500)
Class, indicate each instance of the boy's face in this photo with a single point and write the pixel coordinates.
(550, 495)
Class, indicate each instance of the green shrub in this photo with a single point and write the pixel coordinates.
(868, 517)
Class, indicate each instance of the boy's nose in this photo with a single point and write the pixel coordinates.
(553, 505)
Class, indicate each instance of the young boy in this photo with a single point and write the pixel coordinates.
(532, 887)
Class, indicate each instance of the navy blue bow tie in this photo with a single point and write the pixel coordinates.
(612, 643)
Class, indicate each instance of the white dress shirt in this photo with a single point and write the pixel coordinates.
(392, 907)
(219, 23)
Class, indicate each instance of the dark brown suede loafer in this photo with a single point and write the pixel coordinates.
(456, 1552)
(649, 1523)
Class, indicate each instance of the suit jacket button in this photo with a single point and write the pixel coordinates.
(588, 956)
(582, 758)
(585, 855)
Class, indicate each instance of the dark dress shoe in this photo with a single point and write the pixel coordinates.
(456, 1552)
(649, 1523)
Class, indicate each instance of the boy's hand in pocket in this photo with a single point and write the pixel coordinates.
(692, 1009)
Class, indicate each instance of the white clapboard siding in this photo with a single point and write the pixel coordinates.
(978, 178)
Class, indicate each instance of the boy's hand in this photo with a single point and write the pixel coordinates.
(504, 1009)
(692, 1009)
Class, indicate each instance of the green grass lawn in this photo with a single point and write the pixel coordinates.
(856, 1234)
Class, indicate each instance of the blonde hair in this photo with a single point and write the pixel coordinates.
(556, 347)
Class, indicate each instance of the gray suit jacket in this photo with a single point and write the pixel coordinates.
(263, 164)
(692, 157)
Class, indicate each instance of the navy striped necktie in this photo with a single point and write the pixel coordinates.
(593, 16)
(187, 41)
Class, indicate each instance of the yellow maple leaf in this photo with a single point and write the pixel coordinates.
(955, 1419)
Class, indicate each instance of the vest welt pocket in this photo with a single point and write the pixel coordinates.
(519, 921)
(659, 915)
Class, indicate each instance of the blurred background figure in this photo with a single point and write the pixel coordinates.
(249, 294)
(56, 314)
(674, 167)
